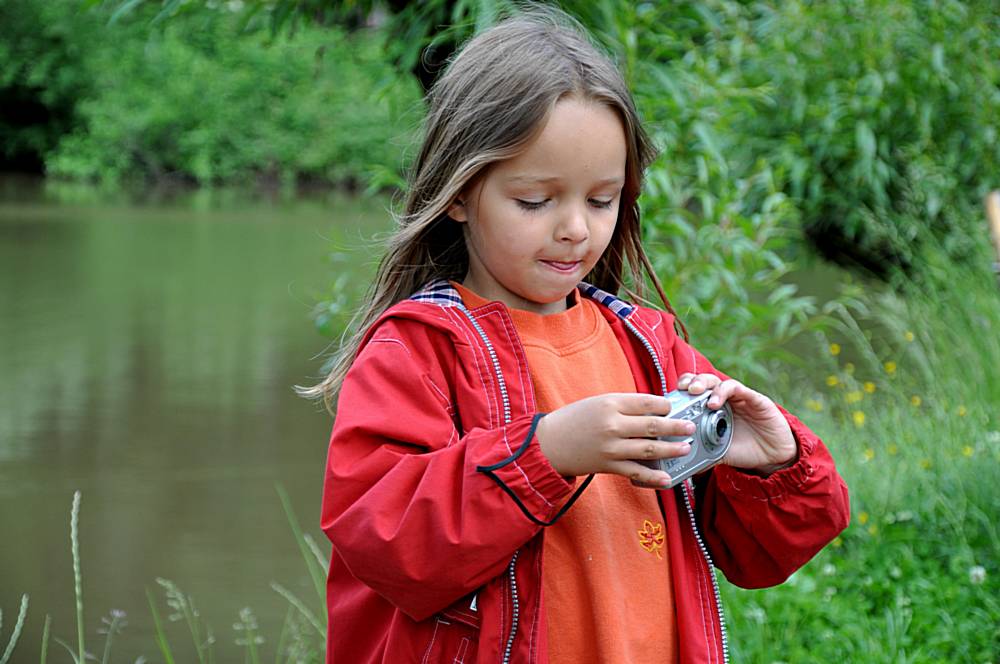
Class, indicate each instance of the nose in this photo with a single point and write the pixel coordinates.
(573, 226)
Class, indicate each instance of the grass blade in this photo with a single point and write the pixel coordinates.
(316, 571)
(185, 608)
(314, 548)
(116, 624)
(74, 536)
(68, 649)
(45, 638)
(161, 637)
(297, 603)
(16, 634)
(283, 635)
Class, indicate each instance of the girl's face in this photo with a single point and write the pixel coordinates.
(537, 223)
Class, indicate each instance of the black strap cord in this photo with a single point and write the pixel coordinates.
(489, 471)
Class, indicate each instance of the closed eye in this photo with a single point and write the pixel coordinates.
(531, 206)
(604, 205)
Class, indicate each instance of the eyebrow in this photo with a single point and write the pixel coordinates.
(545, 179)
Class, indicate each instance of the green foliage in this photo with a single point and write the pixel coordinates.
(41, 44)
(912, 421)
(883, 116)
(197, 100)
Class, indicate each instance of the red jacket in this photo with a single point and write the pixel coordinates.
(436, 489)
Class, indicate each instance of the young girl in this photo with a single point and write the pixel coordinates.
(483, 494)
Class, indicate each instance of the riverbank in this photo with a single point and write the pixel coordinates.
(151, 351)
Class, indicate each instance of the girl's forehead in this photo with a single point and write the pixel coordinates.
(579, 138)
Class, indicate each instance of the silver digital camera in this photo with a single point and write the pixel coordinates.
(709, 443)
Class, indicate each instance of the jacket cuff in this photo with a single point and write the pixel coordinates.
(527, 476)
(734, 481)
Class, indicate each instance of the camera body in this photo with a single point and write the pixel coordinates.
(709, 443)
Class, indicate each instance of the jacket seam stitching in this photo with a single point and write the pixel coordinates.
(430, 646)
(388, 340)
(476, 351)
(521, 470)
(521, 356)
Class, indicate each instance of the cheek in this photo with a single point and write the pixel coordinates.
(606, 230)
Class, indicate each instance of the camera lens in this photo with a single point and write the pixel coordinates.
(720, 428)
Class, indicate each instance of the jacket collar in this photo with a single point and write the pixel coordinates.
(442, 293)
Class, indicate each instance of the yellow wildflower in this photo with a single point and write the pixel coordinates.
(849, 368)
(832, 380)
(859, 418)
(869, 387)
(854, 396)
(863, 518)
(873, 529)
(915, 401)
(962, 411)
(890, 367)
(834, 349)
(869, 453)
(813, 404)
(908, 336)
(892, 449)
(925, 464)
(967, 450)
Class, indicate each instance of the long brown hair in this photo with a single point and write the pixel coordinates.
(490, 102)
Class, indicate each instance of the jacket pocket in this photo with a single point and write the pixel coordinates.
(452, 642)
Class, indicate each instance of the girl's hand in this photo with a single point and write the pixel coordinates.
(762, 439)
(605, 433)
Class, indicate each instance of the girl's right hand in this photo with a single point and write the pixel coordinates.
(608, 432)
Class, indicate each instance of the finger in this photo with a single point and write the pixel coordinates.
(730, 390)
(653, 426)
(642, 404)
(640, 474)
(650, 450)
(643, 485)
(683, 380)
(703, 382)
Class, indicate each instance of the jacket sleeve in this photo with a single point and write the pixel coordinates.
(406, 503)
(760, 530)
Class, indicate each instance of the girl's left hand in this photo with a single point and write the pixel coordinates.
(762, 439)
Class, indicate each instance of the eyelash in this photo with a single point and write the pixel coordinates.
(534, 206)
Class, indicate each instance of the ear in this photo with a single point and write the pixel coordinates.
(457, 211)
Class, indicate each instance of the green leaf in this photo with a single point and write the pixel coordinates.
(123, 10)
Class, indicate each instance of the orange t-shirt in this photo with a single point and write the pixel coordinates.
(606, 580)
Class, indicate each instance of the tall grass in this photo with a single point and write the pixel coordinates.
(914, 425)
(302, 638)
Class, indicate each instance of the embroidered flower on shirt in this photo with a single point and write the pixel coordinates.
(651, 537)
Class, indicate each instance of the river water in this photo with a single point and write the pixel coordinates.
(148, 351)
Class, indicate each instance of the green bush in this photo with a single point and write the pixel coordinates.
(197, 100)
(877, 118)
(906, 399)
(41, 44)
(883, 116)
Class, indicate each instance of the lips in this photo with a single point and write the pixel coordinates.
(563, 266)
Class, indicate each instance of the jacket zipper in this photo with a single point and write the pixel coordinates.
(515, 610)
(511, 568)
(687, 499)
